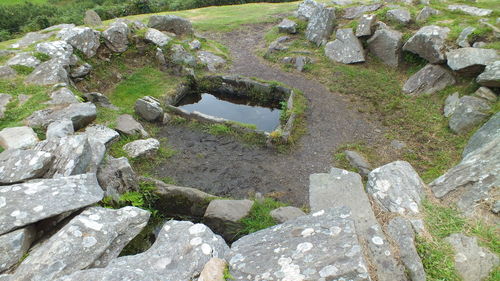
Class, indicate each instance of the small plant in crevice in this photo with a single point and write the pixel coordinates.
(227, 275)
(22, 69)
(260, 217)
(41, 56)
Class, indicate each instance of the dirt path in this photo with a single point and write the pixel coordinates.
(224, 166)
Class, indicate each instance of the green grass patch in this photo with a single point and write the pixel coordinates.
(259, 217)
(41, 56)
(22, 69)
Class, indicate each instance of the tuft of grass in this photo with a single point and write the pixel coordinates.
(41, 56)
(22, 69)
(259, 217)
(219, 129)
(227, 275)
(437, 259)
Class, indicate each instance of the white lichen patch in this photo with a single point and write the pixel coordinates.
(319, 213)
(328, 271)
(307, 232)
(197, 229)
(162, 263)
(304, 247)
(289, 271)
(196, 241)
(91, 224)
(38, 208)
(206, 249)
(377, 240)
(89, 241)
(2, 202)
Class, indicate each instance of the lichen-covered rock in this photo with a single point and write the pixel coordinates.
(306, 9)
(36, 200)
(20, 165)
(91, 239)
(212, 61)
(386, 45)
(58, 50)
(321, 246)
(400, 16)
(171, 23)
(83, 39)
(49, 73)
(473, 11)
(396, 187)
(24, 59)
(366, 25)
(450, 104)
(80, 71)
(179, 253)
(491, 75)
(283, 214)
(81, 114)
(62, 96)
(357, 11)
(102, 134)
(346, 48)
(140, 148)
(179, 55)
(126, 124)
(486, 94)
(92, 18)
(321, 24)
(148, 108)
(195, 44)
(489, 132)
(18, 137)
(116, 37)
(116, 177)
(428, 80)
(14, 245)
(157, 37)
(287, 26)
(6, 72)
(463, 38)
(223, 216)
(359, 162)
(429, 43)
(31, 38)
(59, 129)
(425, 13)
(470, 112)
(471, 60)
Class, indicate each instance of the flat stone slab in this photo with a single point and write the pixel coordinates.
(428, 80)
(171, 23)
(210, 60)
(81, 114)
(471, 60)
(20, 165)
(140, 148)
(473, 11)
(102, 134)
(491, 75)
(126, 124)
(18, 137)
(489, 132)
(32, 201)
(357, 11)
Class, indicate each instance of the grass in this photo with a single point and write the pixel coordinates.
(259, 217)
(22, 69)
(13, 2)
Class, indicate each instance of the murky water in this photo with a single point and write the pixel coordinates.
(240, 110)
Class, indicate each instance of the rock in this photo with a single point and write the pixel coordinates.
(470, 112)
(213, 270)
(116, 37)
(306, 9)
(179, 253)
(346, 48)
(31, 38)
(127, 125)
(60, 129)
(425, 13)
(148, 108)
(479, 44)
(429, 43)
(48, 73)
(386, 45)
(14, 245)
(357, 11)
(400, 16)
(20, 165)
(489, 132)
(277, 45)
(486, 94)
(396, 187)
(283, 214)
(7, 72)
(36, 200)
(157, 37)
(213, 62)
(84, 39)
(401, 232)
(24, 59)
(171, 23)
(223, 217)
(180, 56)
(428, 80)
(117, 177)
(450, 104)
(491, 75)
(358, 162)
(398, 145)
(473, 11)
(296, 250)
(62, 96)
(99, 99)
(91, 239)
(471, 261)
(321, 24)
(18, 137)
(92, 18)
(58, 50)
(342, 2)
(287, 26)
(142, 148)
(195, 44)
(81, 71)
(98, 150)
(463, 38)
(4, 100)
(300, 62)
(496, 207)
(471, 60)
(102, 134)
(81, 114)
(366, 25)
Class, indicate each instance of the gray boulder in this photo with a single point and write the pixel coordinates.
(359, 162)
(58, 50)
(127, 125)
(489, 132)
(321, 24)
(321, 246)
(91, 239)
(148, 108)
(357, 11)
(99, 99)
(20, 165)
(18, 137)
(4, 100)
(284, 214)
(491, 75)
(84, 39)
(429, 43)
(179, 55)
(223, 216)
(346, 48)
(80, 71)
(366, 25)
(102, 134)
(471, 60)
(470, 112)
(62, 96)
(157, 37)
(6, 72)
(471, 261)
(400, 16)
(396, 187)
(463, 38)
(24, 59)
(287, 26)
(49, 73)
(81, 114)
(116, 177)
(14, 245)
(401, 232)
(425, 13)
(36, 200)
(142, 148)
(98, 149)
(92, 18)
(116, 37)
(301, 62)
(486, 94)
(212, 62)
(473, 11)
(179, 253)
(428, 80)
(306, 9)
(171, 23)
(195, 44)
(386, 45)
(450, 104)
(59, 129)
(31, 38)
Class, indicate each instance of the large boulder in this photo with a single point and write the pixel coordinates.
(223, 216)
(471, 60)
(321, 24)
(171, 23)
(396, 187)
(24, 59)
(386, 45)
(489, 132)
(473, 11)
(116, 37)
(366, 25)
(425, 13)
(18, 165)
(321, 246)
(91, 239)
(36, 200)
(210, 60)
(399, 16)
(357, 11)
(428, 80)
(142, 148)
(429, 43)
(50, 72)
(84, 39)
(102, 134)
(149, 108)
(157, 37)
(18, 137)
(59, 50)
(180, 252)
(306, 9)
(346, 48)
(60, 128)
(116, 177)
(14, 245)
(491, 75)
(343, 188)
(287, 26)
(470, 112)
(92, 18)
(127, 125)
(463, 38)
(81, 114)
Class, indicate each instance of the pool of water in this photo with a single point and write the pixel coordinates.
(234, 109)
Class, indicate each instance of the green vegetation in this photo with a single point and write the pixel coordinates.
(259, 217)
(22, 69)
(41, 56)
(227, 275)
